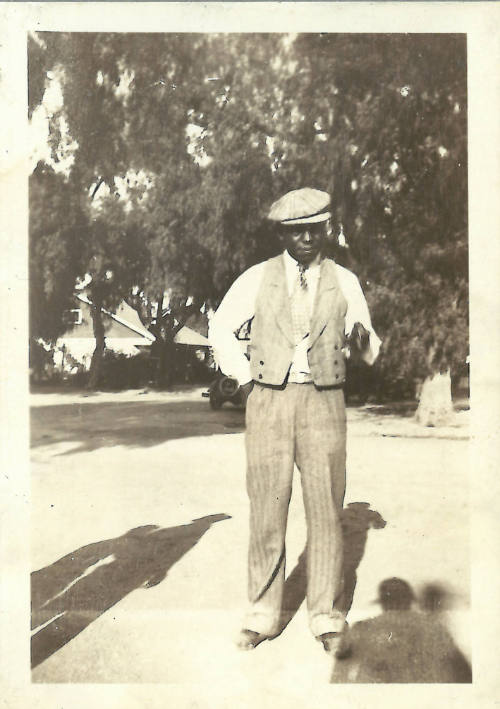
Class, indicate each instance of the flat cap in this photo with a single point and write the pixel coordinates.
(304, 206)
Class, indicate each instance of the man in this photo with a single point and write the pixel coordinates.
(303, 307)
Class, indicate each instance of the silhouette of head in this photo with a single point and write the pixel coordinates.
(395, 595)
(434, 597)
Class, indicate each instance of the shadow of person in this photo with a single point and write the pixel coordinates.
(72, 592)
(436, 599)
(357, 519)
(401, 645)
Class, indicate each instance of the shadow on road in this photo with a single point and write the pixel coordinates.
(140, 424)
(74, 591)
(357, 520)
(406, 409)
(403, 644)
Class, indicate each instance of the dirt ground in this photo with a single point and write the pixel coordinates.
(139, 531)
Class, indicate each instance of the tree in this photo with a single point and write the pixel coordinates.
(125, 109)
(199, 133)
(90, 125)
(210, 227)
(238, 182)
(203, 212)
(114, 259)
(57, 229)
(386, 134)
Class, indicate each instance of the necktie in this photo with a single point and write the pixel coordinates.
(302, 275)
(300, 306)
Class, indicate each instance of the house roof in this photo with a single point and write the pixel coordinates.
(127, 317)
(187, 336)
(130, 325)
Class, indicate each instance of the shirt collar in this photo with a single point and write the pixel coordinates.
(291, 267)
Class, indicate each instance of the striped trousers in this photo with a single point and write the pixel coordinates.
(306, 426)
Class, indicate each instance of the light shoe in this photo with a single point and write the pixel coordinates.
(249, 639)
(336, 644)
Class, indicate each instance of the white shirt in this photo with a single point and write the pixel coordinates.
(238, 306)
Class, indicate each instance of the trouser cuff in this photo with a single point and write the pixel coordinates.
(321, 623)
(261, 622)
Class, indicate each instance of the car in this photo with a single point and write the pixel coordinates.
(223, 389)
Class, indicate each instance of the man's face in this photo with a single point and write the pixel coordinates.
(304, 241)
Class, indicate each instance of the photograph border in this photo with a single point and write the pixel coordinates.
(480, 21)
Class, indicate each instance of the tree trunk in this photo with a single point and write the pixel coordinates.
(100, 344)
(169, 361)
(36, 360)
(159, 348)
(435, 406)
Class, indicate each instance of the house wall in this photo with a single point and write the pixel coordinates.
(112, 328)
(75, 347)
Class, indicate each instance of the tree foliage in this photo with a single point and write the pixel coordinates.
(192, 137)
(57, 239)
(381, 123)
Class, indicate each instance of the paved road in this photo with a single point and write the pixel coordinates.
(90, 425)
(139, 532)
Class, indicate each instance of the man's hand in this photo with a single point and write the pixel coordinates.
(359, 339)
(245, 391)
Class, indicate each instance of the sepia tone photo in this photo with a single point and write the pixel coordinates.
(248, 274)
(248, 376)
